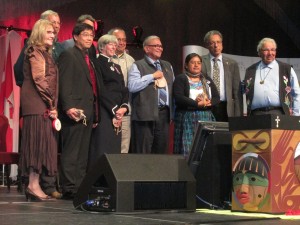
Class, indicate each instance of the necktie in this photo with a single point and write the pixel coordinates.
(216, 74)
(94, 86)
(92, 74)
(162, 92)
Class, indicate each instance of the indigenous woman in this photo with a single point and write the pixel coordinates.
(194, 95)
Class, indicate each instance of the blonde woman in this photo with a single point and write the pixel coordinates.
(38, 101)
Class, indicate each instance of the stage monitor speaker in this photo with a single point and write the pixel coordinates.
(210, 163)
(132, 182)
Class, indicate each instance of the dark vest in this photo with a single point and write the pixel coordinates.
(145, 102)
(284, 71)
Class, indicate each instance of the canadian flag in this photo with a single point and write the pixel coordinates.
(7, 99)
(10, 45)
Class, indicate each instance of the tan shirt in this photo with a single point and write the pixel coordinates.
(125, 61)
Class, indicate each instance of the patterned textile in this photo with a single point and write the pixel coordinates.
(185, 124)
(196, 88)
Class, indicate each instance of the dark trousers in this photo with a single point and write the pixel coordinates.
(220, 112)
(273, 111)
(152, 136)
(48, 183)
(74, 155)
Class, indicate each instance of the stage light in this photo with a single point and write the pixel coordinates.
(137, 32)
(99, 27)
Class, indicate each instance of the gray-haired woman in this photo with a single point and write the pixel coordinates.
(106, 137)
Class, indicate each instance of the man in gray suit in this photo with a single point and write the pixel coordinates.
(225, 74)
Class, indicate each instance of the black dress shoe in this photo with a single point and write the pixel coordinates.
(68, 195)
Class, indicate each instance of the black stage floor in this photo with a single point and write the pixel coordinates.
(14, 210)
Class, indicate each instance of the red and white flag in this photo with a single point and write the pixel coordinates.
(10, 45)
(7, 97)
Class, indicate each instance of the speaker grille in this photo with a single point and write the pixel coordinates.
(160, 195)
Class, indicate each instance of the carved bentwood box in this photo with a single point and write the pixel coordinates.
(265, 163)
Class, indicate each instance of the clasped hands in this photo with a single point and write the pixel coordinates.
(117, 120)
(203, 101)
(77, 115)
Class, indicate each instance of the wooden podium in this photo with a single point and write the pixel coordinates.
(265, 163)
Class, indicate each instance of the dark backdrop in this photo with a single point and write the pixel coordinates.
(178, 22)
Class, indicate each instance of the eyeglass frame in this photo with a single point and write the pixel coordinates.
(85, 35)
(56, 22)
(156, 46)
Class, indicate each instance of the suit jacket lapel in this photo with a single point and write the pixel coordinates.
(227, 77)
(207, 64)
(226, 71)
(82, 63)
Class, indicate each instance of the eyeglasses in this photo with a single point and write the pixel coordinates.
(156, 46)
(85, 35)
(212, 43)
(112, 44)
(268, 50)
(56, 22)
(122, 39)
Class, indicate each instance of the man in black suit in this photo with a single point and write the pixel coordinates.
(78, 91)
